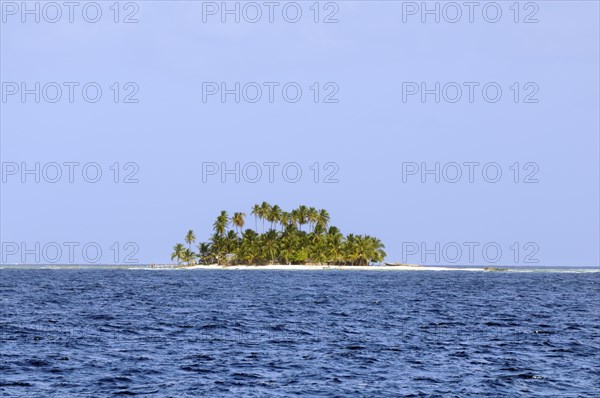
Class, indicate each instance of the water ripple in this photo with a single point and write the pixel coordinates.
(274, 333)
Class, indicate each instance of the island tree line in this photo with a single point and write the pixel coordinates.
(302, 236)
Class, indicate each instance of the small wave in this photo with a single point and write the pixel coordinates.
(15, 384)
(114, 379)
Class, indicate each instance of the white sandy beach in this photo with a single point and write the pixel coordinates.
(315, 267)
(382, 268)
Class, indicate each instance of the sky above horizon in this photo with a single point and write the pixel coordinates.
(473, 140)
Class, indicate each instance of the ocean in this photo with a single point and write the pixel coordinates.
(188, 333)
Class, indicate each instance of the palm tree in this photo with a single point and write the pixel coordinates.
(367, 249)
(322, 219)
(231, 241)
(248, 251)
(249, 235)
(335, 241)
(189, 257)
(238, 220)
(295, 218)
(377, 252)
(205, 253)
(265, 209)
(319, 251)
(312, 216)
(256, 213)
(219, 247)
(274, 215)
(361, 250)
(190, 238)
(301, 215)
(349, 249)
(269, 241)
(285, 219)
(178, 250)
(220, 225)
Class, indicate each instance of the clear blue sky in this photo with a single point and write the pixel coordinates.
(369, 133)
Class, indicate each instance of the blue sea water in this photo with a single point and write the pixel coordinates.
(177, 333)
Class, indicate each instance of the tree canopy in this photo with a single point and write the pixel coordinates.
(283, 240)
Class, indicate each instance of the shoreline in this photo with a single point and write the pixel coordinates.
(374, 268)
(312, 267)
(319, 267)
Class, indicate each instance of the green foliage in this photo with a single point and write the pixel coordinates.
(285, 242)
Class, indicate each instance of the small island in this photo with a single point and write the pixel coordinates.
(302, 236)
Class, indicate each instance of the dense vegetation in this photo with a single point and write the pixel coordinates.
(285, 240)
